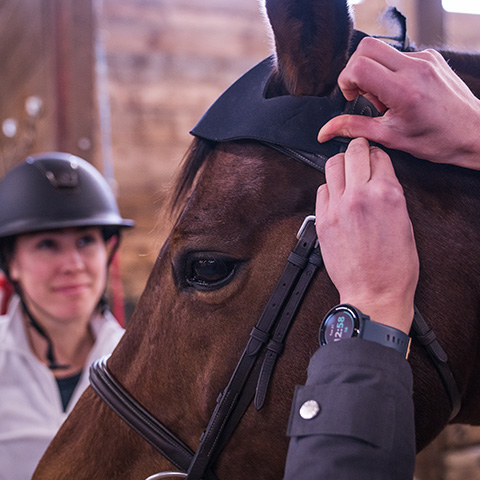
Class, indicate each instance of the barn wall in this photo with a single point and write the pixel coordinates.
(25, 55)
(37, 41)
(167, 61)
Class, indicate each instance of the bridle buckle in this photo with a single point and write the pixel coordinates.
(308, 219)
(159, 476)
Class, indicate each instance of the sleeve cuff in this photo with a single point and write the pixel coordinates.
(341, 411)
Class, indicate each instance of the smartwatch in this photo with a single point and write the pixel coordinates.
(346, 321)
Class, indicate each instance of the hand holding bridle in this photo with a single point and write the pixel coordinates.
(366, 236)
(428, 111)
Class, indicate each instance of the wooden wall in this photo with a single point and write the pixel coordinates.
(37, 41)
(27, 59)
(167, 61)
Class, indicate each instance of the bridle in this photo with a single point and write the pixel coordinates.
(251, 377)
(253, 372)
(249, 381)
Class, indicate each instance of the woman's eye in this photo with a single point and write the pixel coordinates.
(209, 273)
(46, 244)
(85, 241)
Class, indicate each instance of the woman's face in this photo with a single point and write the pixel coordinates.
(62, 273)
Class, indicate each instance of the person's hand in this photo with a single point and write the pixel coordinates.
(429, 111)
(366, 236)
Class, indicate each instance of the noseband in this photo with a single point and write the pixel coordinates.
(251, 378)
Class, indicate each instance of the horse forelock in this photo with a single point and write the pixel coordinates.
(192, 163)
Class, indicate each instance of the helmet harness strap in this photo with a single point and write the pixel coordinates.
(52, 361)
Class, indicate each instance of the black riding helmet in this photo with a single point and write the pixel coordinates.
(56, 190)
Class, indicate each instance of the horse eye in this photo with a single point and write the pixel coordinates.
(209, 273)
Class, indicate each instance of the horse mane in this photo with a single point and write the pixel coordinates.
(192, 162)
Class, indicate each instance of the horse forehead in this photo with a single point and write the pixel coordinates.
(241, 169)
(235, 177)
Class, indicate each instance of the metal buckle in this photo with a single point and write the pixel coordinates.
(309, 218)
(161, 475)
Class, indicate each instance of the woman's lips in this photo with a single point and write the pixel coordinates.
(71, 289)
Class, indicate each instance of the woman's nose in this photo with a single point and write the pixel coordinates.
(73, 260)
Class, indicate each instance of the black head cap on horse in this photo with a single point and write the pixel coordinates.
(285, 108)
(241, 204)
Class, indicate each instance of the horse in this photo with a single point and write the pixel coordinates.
(241, 197)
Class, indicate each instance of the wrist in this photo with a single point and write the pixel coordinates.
(347, 321)
(468, 153)
(394, 314)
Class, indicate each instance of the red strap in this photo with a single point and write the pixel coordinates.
(6, 291)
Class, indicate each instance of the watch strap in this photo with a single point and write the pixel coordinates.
(385, 335)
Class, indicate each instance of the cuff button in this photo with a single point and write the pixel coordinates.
(310, 409)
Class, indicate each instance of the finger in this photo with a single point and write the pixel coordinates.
(381, 164)
(357, 163)
(382, 53)
(335, 175)
(353, 126)
(321, 206)
(429, 55)
(366, 75)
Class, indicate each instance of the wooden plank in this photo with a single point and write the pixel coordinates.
(26, 72)
(75, 81)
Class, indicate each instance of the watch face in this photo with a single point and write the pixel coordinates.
(339, 325)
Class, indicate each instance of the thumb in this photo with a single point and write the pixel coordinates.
(353, 126)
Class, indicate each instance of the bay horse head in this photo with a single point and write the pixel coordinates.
(241, 199)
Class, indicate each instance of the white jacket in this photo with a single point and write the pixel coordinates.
(30, 405)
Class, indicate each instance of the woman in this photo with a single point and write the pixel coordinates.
(59, 229)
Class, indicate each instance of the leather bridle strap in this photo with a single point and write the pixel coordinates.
(211, 442)
(138, 418)
(277, 342)
(237, 396)
(258, 382)
(427, 338)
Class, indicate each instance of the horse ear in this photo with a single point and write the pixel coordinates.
(311, 41)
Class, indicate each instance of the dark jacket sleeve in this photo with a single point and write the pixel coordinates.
(359, 396)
